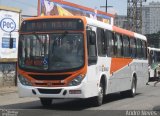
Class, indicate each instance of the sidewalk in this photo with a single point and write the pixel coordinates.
(5, 90)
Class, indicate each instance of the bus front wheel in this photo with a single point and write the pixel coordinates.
(98, 100)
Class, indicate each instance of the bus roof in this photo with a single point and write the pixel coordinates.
(97, 23)
(154, 49)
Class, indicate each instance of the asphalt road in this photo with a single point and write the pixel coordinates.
(145, 103)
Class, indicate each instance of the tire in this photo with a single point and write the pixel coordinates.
(98, 100)
(46, 101)
(132, 91)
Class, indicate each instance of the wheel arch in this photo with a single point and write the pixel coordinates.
(134, 75)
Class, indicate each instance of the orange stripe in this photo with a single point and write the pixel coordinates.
(119, 63)
(123, 31)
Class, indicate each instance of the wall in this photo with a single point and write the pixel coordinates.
(7, 74)
(9, 26)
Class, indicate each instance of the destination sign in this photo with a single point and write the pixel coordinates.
(45, 25)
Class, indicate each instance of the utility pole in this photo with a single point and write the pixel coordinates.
(134, 15)
(106, 6)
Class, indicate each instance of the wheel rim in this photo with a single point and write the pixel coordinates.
(100, 94)
(134, 88)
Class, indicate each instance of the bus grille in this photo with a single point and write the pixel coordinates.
(46, 84)
(49, 77)
(49, 91)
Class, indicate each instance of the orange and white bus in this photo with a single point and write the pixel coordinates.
(79, 57)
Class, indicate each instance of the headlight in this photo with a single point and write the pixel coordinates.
(76, 81)
(24, 81)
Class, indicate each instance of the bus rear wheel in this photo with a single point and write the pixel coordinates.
(46, 101)
(132, 91)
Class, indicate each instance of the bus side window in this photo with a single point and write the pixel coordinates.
(92, 50)
(139, 48)
(107, 42)
(136, 51)
(118, 45)
(115, 45)
(150, 56)
(133, 47)
(109, 37)
(126, 46)
(101, 42)
(144, 49)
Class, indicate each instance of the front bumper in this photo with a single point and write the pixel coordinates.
(52, 92)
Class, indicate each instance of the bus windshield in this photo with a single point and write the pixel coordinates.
(154, 58)
(51, 52)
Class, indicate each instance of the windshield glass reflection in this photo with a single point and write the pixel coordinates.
(51, 52)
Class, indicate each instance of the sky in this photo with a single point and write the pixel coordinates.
(29, 7)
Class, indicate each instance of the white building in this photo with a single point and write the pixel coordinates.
(151, 18)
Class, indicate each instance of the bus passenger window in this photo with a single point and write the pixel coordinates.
(109, 37)
(92, 50)
(126, 48)
(144, 49)
(139, 48)
(119, 45)
(115, 46)
(101, 42)
(133, 47)
(107, 42)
